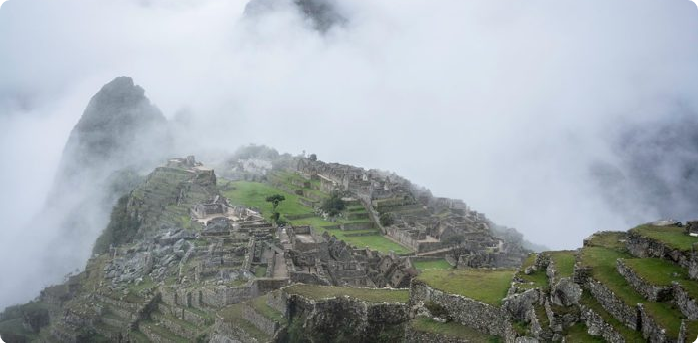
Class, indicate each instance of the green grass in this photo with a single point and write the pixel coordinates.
(138, 336)
(667, 316)
(163, 332)
(261, 306)
(366, 294)
(613, 240)
(260, 271)
(629, 335)
(376, 242)
(16, 327)
(489, 286)
(603, 263)
(529, 261)
(673, 237)
(452, 329)
(541, 315)
(662, 273)
(537, 279)
(253, 194)
(691, 330)
(233, 314)
(436, 264)
(578, 333)
(564, 262)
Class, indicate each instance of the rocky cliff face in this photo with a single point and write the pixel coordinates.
(120, 136)
(119, 129)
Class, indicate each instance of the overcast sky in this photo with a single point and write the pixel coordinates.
(504, 104)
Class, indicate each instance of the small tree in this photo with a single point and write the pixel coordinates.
(312, 157)
(333, 205)
(458, 246)
(275, 200)
(387, 219)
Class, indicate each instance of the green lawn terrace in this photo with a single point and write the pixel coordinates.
(538, 268)
(529, 276)
(579, 333)
(673, 236)
(449, 331)
(484, 285)
(599, 259)
(296, 212)
(660, 273)
(563, 262)
(425, 263)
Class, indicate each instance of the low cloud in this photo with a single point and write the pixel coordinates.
(511, 106)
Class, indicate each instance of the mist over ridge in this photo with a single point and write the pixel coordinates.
(556, 119)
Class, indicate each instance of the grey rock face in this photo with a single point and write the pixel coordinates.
(119, 125)
(566, 292)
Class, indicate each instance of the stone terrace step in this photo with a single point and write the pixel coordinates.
(136, 336)
(602, 323)
(189, 314)
(426, 330)
(232, 319)
(114, 320)
(260, 318)
(113, 333)
(657, 321)
(159, 334)
(177, 326)
(666, 242)
(660, 280)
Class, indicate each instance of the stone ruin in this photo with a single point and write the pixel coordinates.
(424, 223)
(326, 260)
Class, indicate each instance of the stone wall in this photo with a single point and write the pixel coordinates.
(350, 226)
(279, 302)
(175, 327)
(415, 336)
(649, 291)
(519, 306)
(646, 247)
(264, 285)
(625, 313)
(403, 237)
(478, 315)
(225, 332)
(343, 319)
(263, 323)
(220, 296)
(686, 304)
(651, 330)
(598, 327)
